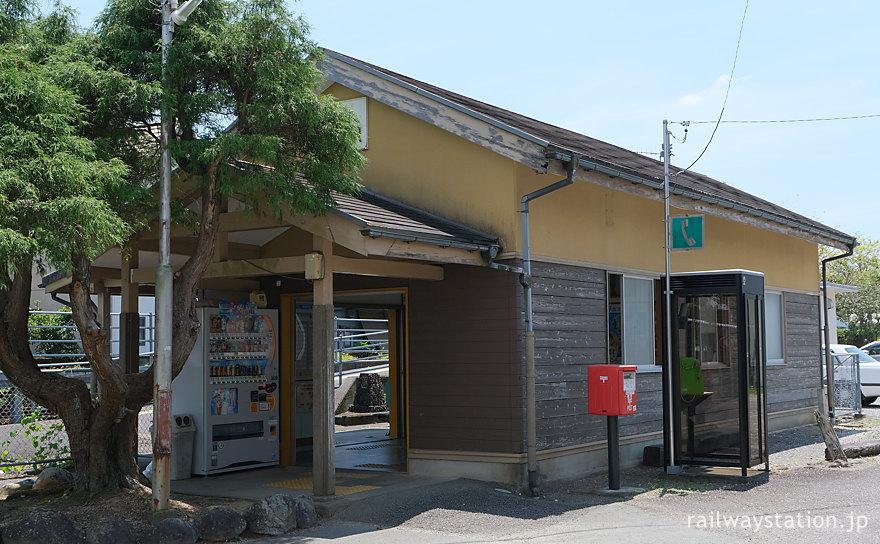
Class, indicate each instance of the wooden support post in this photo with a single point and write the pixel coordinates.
(129, 318)
(104, 316)
(833, 452)
(324, 443)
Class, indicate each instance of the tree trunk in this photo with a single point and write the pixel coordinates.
(104, 460)
(102, 433)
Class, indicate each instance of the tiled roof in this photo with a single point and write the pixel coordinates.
(381, 216)
(688, 183)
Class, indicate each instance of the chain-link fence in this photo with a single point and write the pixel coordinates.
(847, 385)
(29, 433)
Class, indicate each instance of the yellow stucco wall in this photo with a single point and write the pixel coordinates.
(419, 164)
(590, 223)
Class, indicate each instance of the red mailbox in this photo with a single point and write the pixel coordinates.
(611, 390)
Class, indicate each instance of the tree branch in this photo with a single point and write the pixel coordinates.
(110, 376)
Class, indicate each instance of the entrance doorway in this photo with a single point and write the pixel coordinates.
(369, 342)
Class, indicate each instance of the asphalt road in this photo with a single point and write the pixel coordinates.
(804, 500)
(806, 505)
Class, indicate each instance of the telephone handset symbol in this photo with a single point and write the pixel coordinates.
(690, 241)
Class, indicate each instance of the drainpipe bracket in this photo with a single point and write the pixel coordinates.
(525, 280)
(506, 268)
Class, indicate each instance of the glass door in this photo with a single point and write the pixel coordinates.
(706, 344)
(755, 401)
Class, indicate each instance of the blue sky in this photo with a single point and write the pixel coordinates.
(615, 70)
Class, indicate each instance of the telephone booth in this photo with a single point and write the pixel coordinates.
(715, 400)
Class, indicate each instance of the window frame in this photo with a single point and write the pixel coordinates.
(781, 295)
(654, 365)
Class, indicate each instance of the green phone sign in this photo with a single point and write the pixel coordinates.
(687, 232)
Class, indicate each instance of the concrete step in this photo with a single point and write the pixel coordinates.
(357, 418)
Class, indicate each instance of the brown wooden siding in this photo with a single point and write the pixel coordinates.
(570, 319)
(466, 365)
(466, 369)
(793, 385)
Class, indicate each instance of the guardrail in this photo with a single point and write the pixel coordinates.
(359, 343)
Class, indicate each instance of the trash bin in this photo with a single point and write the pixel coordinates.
(183, 430)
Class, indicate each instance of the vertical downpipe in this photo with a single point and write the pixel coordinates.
(531, 423)
(531, 420)
(829, 366)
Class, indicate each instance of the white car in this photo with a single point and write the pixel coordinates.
(873, 349)
(869, 371)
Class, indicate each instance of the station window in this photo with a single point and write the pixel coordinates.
(633, 320)
(775, 327)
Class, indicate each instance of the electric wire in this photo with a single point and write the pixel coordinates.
(807, 120)
(726, 93)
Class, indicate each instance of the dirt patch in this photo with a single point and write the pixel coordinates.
(134, 505)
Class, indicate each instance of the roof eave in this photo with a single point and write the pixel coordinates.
(810, 232)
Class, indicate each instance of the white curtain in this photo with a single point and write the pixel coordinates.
(638, 321)
(773, 326)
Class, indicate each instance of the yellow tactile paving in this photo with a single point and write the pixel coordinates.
(305, 482)
(350, 490)
(296, 483)
(352, 476)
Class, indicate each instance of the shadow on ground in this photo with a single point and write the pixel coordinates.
(484, 508)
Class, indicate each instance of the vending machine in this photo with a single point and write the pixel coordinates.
(230, 387)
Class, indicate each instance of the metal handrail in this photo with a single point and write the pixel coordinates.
(361, 345)
(148, 335)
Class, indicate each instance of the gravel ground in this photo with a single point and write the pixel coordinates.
(803, 446)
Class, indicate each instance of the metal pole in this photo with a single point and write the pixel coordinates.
(164, 293)
(671, 468)
(613, 453)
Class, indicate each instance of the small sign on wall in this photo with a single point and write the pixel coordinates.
(688, 232)
(359, 105)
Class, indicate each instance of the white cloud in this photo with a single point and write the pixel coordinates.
(718, 88)
(690, 100)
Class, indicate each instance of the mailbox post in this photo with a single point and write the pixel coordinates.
(611, 392)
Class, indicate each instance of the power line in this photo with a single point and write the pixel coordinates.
(809, 120)
(726, 93)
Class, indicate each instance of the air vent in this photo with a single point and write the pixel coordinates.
(710, 283)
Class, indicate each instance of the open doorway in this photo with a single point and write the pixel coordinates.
(369, 380)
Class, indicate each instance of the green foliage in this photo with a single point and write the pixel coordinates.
(46, 437)
(860, 310)
(57, 198)
(79, 128)
(13, 14)
(241, 80)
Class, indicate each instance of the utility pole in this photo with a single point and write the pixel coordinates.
(671, 468)
(164, 279)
